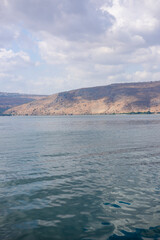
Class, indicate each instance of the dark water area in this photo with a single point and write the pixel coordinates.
(80, 177)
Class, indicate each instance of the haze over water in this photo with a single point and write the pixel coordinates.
(80, 177)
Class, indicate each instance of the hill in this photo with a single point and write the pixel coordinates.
(139, 97)
(9, 100)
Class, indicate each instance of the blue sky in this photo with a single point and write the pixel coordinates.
(56, 45)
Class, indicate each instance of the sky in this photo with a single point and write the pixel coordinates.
(49, 46)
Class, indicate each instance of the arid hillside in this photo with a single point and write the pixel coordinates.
(116, 98)
(9, 100)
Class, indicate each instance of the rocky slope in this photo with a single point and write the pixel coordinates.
(9, 100)
(115, 98)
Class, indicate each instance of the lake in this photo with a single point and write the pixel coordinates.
(80, 177)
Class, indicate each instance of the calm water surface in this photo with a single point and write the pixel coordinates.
(80, 177)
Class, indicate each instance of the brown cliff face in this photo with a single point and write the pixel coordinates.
(115, 98)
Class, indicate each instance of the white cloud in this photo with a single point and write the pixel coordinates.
(10, 59)
(53, 50)
(143, 76)
(135, 17)
(70, 44)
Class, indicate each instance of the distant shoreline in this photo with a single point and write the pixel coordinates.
(103, 114)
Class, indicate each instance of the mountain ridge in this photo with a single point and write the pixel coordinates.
(109, 99)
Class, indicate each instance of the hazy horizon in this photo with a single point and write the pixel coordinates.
(79, 88)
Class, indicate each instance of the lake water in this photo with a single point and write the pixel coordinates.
(80, 177)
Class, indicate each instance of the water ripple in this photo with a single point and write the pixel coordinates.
(74, 178)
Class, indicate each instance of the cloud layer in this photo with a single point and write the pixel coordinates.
(51, 46)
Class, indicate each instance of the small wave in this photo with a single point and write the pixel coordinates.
(139, 234)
